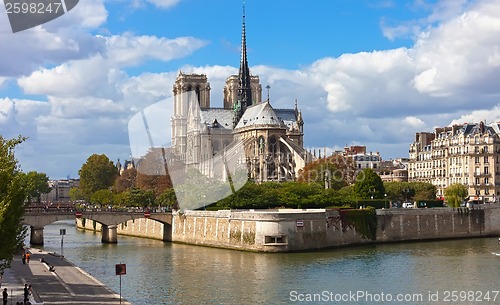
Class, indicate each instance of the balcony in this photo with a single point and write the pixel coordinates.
(482, 175)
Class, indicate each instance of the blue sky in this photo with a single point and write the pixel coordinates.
(364, 72)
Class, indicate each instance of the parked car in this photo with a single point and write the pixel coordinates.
(408, 205)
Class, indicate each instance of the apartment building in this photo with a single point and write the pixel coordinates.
(468, 154)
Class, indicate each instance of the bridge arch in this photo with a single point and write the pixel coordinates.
(109, 221)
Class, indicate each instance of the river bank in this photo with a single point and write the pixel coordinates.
(67, 284)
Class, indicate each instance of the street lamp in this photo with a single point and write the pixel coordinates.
(385, 201)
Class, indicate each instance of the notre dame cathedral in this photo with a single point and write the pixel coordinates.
(272, 139)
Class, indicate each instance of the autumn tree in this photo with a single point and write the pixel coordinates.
(332, 172)
(96, 174)
(12, 196)
(152, 172)
(127, 180)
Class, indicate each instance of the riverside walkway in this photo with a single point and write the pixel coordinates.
(68, 284)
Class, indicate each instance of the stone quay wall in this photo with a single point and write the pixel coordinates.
(141, 227)
(288, 230)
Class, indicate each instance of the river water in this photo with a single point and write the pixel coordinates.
(440, 272)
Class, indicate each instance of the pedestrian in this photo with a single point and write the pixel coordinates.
(24, 258)
(28, 255)
(26, 293)
(5, 296)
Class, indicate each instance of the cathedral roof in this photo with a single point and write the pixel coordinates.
(287, 116)
(224, 117)
(261, 114)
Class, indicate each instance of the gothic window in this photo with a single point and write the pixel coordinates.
(262, 144)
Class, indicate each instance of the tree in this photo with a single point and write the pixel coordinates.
(96, 174)
(102, 197)
(455, 194)
(369, 184)
(138, 198)
(167, 199)
(127, 180)
(12, 196)
(36, 185)
(153, 173)
(75, 194)
(332, 172)
(424, 191)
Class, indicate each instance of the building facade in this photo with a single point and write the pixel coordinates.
(60, 190)
(468, 154)
(246, 130)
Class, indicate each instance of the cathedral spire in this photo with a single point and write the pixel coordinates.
(244, 91)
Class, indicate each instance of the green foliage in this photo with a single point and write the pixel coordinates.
(76, 194)
(36, 185)
(363, 220)
(368, 183)
(102, 197)
(167, 199)
(288, 194)
(424, 191)
(138, 198)
(410, 191)
(455, 194)
(12, 195)
(96, 174)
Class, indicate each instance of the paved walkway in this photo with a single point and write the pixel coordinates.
(68, 284)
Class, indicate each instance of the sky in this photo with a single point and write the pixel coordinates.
(364, 72)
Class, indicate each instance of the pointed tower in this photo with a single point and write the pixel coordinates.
(244, 87)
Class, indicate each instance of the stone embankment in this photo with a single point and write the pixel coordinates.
(301, 230)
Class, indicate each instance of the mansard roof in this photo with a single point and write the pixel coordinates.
(261, 114)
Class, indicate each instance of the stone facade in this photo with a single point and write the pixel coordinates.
(246, 130)
(468, 154)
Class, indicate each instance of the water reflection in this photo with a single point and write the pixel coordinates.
(164, 273)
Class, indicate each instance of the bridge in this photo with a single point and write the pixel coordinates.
(38, 219)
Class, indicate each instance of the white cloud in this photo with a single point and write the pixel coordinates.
(51, 43)
(100, 74)
(130, 50)
(379, 99)
(163, 3)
